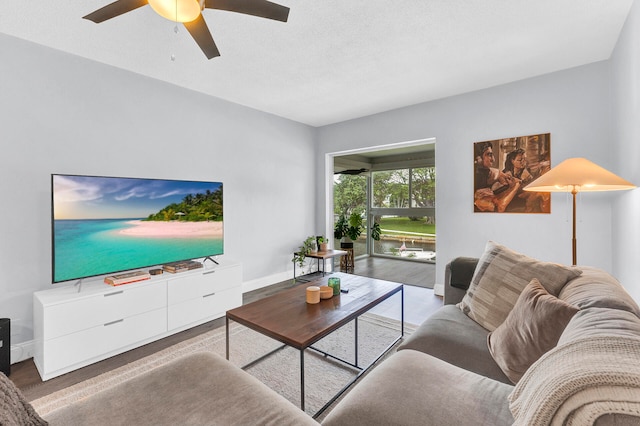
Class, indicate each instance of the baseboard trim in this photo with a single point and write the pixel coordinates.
(22, 351)
(258, 283)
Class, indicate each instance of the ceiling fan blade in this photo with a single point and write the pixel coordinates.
(261, 8)
(353, 172)
(114, 9)
(201, 34)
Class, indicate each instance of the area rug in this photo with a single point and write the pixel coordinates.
(280, 371)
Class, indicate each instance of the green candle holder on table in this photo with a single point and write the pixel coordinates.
(334, 283)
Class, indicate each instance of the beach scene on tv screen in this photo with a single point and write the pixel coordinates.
(103, 225)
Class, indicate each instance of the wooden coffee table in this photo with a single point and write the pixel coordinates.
(287, 317)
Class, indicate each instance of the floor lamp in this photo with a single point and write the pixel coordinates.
(578, 175)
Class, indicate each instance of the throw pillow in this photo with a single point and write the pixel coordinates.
(500, 277)
(532, 328)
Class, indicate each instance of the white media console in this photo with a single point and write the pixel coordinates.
(74, 328)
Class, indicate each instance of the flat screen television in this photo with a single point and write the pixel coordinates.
(103, 225)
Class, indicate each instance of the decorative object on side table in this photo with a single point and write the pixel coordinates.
(307, 247)
(322, 243)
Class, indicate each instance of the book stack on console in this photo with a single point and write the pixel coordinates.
(186, 265)
(127, 278)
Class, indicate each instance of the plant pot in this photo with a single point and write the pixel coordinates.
(323, 247)
(345, 244)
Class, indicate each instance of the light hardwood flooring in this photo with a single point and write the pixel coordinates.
(420, 303)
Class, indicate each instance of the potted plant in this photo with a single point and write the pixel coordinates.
(340, 230)
(322, 243)
(351, 228)
(307, 247)
(375, 231)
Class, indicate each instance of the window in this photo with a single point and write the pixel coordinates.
(423, 187)
(391, 188)
(408, 237)
(403, 204)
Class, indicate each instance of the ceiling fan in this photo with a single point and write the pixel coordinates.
(189, 12)
(353, 172)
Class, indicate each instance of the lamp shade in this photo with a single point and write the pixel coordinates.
(580, 175)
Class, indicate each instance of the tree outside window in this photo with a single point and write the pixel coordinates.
(349, 195)
(423, 187)
(391, 188)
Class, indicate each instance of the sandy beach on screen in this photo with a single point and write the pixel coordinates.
(173, 229)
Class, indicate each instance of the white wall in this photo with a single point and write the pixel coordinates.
(63, 114)
(572, 105)
(625, 64)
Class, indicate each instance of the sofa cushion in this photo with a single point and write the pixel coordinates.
(597, 289)
(533, 326)
(450, 335)
(500, 277)
(199, 389)
(413, 388)
(591, 322)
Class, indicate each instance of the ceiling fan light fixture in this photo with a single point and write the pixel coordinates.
(177, 10)
(189, 13)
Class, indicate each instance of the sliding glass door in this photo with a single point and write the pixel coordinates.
(401, 201)
(403, 204)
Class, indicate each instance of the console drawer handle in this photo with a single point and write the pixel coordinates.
(114, 293)
(208, 272)
(114, 322)
(209, 295)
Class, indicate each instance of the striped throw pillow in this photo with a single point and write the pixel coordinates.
(500, 277)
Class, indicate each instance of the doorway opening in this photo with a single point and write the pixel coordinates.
(392, 191)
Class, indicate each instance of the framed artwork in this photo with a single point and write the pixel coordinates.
(503, 167)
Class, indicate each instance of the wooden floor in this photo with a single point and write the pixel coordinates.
(421, 274)
(420, 302)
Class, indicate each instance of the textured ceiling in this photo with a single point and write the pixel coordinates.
(336, 60)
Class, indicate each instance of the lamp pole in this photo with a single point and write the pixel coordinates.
(574, 191)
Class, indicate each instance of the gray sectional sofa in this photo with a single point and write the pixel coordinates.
(445, 373)
(518, 342)
(199, 389)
